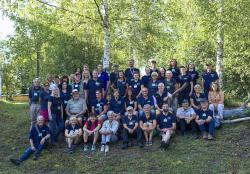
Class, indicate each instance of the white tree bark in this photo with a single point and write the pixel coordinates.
(220, 44)
(106, 54)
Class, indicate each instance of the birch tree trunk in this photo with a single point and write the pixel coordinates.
(220, 44)
(106, 54)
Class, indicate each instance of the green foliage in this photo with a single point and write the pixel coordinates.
(66, 34)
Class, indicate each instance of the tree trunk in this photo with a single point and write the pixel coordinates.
(106, 54)
(38, 56)
(237, 112)
(220, 44)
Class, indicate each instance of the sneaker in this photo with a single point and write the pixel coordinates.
(146, 143)
(93, 148)
(150, 143)
(204, 135)
(210, 137)
(35, 157)
(124, 146)
(106, 148)
(162, 144)
(17, 162)
(85, 148)
(102, 148)
(195, 136)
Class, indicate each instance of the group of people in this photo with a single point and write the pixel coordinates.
(88, 106)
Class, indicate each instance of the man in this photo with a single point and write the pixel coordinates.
(34, 94)
(76, 107)
(148, 124)
(103, 76)
(208, 77)
(171, 87)
(114, 75)
(153, 67)
(78, 84)
(100, 107)
(131, 128)
(73, 134)
(92, 86)
(153, 83)
(186, 116)
(205, 120)
(185, 85)
(145, 99)
(166, 125)
(160, 97)
(109, 131)
(129, 72)
(38, 138)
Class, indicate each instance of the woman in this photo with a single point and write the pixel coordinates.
(130, 100)
(196, 97)
(55, 110)
(43, 100)
(65, 96)
(192, 72)
(120, 84)
(174, 69)
(216, 101)
(153, 84)
(65, 79)
(85, 78)
(117, 105)
(162, 74)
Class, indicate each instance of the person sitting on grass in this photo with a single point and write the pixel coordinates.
(73, 134)
(109, 131)
(166, 125)
(148, 124)
(39, 136)
(130, 128)
(205, 120)
(186, 117)
(90, 131)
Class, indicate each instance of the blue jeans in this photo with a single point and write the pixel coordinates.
(207, 127)
(126, 135)
(29, 151)
(56, 127)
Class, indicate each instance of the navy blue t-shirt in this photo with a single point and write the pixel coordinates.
(65, 97)
(99, 105)
(56, 104)
(143, 101)
(203, 115)
(176, 72)
(130, 102)
(153, 86)
(92, 87)
(151, 118)
(166, 121)
(77, 86)
(197, 99)
(208, 79)
(185, 79)
(130, 122)
(69, 128)
(169, 85)
(34, 94)
(104, 77)
(121, 86)
(117, 105)
(44, 98)
(135, 86)
(159, 99)
(145, 79)
(37, 137)
(194, 76)
(129, 73)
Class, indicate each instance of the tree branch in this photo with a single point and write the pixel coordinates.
(99, 12)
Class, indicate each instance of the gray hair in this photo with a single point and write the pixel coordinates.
(110, 113)
(40, 117)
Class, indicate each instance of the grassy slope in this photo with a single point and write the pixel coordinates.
(230, 153)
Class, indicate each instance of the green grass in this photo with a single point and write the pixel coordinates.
(230, 153)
